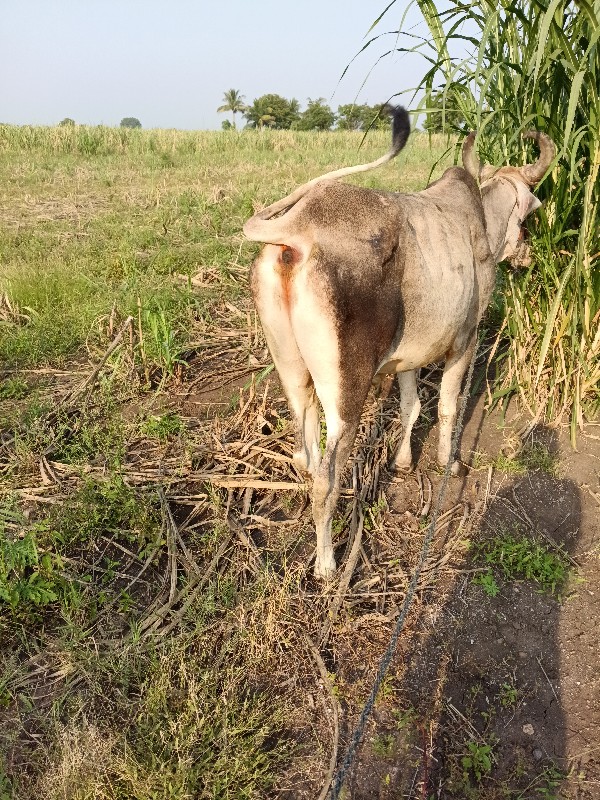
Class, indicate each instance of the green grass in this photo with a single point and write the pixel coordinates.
(146, 717)
(515, 556)
(383, 745)
(530, 458)
(102, 221)
(163, 426)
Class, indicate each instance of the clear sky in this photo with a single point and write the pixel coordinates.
(168, 62)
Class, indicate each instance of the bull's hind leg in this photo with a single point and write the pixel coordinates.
(300, 392)
(409, 411)
(326, 488)
(292, 369)
(342, 391)
(454, 371)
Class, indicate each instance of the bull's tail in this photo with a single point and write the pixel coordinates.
(260, 228)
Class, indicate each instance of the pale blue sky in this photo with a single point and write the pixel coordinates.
(168, 62)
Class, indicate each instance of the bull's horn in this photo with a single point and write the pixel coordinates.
(533, 173)
(253, 230)
(470, 159)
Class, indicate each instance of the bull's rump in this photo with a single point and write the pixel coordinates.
(370, 280)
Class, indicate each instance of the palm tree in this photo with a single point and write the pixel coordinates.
(234, 102)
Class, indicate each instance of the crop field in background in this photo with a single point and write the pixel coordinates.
(161, 635)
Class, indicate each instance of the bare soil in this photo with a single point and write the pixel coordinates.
(462, 651)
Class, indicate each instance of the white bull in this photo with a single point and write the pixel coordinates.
(355, 283)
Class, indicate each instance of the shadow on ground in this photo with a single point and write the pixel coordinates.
(495, 694)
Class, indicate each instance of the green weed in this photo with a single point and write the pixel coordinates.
(528, 459)
(13, 389)
(28, 578)
(91, 439)
(508, 695)
(164, 345)
(539, 457)
(546, 785)
(163, 426)
(6, 787)
(517, 557)
(383, 745)
(103, 507)
(373, 514)
(487, 582)
(386, 690)
(405, 718)
(477, 761)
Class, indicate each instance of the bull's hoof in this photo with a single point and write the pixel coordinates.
(400, 468)
(325, 568)
(300, 461)
(303, 464)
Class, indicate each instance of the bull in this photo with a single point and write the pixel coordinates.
(354, 284)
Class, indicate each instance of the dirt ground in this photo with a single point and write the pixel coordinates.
(518, 671)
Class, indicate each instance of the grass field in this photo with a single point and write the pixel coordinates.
(97, 221)
(154, 537)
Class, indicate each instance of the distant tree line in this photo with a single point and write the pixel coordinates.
(126, 122)
(274, 111)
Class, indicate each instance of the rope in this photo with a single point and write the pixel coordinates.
(391, 649)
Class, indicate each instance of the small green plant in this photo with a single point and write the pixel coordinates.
(383, 745)
(529, 459)
(91, 439)
(104, 507)
(552, 778)
(28, 578)
(405, 718)
(337, 525)
(538, 457)
(336, 689)
(162, 426)
(373, 514)
(477, 761)
(487, 582)
(510, 466)
(508, 695)
(13, 389)
(6, 787)
(165, 345)
(518, 556)
(545, 785)
(386, 690)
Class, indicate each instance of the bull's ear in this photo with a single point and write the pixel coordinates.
(528, 203)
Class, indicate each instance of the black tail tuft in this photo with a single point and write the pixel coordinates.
(400, 126)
